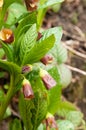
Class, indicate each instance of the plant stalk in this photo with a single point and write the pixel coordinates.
(8, 98)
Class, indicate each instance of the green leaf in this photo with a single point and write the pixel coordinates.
(15, 125)
(57, 31)
(28, 19)
(49, 3)
(14, 12)
(65, 75)
(11, 67)
(28, 41)
(56, 8)
(68, 111)
(40, 49)
(7, 113)
(23, 27)
(60, 53)
(40, 127)
(65, 125)
(25, 108)
(54, 93)
(76, 117)
(8, 51)
(2, 53)
(40, 109)
(7, 3)
(65, 107)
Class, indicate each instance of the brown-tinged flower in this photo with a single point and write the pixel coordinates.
(47, 59)
(50, 122)
(6, 35)
(48, 81)
(27, 68)
(27, 89)
(39, 36)
(31, 4)
(1, 3)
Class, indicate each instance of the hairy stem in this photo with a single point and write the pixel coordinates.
(8, 98)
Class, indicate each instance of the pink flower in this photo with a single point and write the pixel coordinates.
(48, 81)
(27, 89)
(39, 36)
(47, 59)
(26, 69)
(50, 122)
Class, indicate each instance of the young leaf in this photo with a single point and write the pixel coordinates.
(39, 50)
(15, 125)
(65, 75)
(54, 93)
(57, 31)
(23, 27)
(25, 107)
(8, 50)
(60, 53)
(28, 42)
(65, 125)
(65, 107)
(14, 12)
(50, 3)
(75, 117)
(40, 109)
(7, 3)
(28, 19)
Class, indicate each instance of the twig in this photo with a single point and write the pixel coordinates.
(75, 52)
(74, 36)
(80, 32)
(77, 70)
(15, 113)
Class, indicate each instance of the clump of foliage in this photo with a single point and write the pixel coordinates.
(35, 63)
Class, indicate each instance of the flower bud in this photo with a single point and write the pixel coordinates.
(26, 69)
(6, 35)
(1, 3)
(39, 36)
(31, 4)
(48, 81)
(27, 89)
(50, 121)
(47, 59)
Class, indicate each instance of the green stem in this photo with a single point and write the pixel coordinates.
(8, 98)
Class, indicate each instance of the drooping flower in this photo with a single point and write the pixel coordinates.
(39, 36)
(27, 89)
(47, 59)
(6, 35)
(26, 69)
(31, 4)
(50, 122)
(47, 79)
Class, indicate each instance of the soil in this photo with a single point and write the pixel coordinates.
(72, 18)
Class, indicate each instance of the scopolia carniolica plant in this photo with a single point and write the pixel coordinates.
(34, 60)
